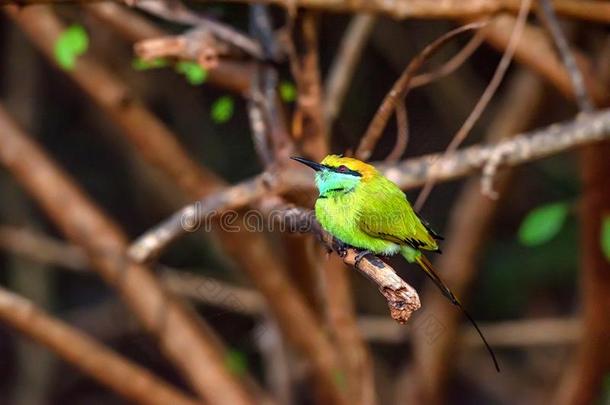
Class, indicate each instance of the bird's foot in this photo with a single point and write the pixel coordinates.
(340, 247)
(361, 255)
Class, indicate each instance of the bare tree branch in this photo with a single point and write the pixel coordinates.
(468, 230)
(119, 374)
(228, 74)
(591, 10)
(407, 174)
(400, 89)
(84, 223)
(42, 249)
(580, 91)
(159, 146)
(483, 102)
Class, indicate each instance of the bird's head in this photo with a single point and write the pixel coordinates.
(338, 175)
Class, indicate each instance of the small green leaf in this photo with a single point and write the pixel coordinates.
(605, 237)
(194, 73)
(543, 223)
(141, 64)
(236, 362)
(288, 92)
(65, 57)
(222, 109)
(71, 43)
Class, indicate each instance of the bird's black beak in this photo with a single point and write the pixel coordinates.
(314, 165)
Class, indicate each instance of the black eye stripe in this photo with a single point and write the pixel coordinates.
(345, 170)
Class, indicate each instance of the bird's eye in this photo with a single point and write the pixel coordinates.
(342, 169)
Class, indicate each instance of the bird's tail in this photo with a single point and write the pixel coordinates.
(425, 264)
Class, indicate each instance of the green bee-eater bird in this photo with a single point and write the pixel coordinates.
(363, 209)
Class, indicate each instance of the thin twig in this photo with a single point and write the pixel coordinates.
(400, 90)
(583, 99)
(402, 133)
(486, 97)
(452, 64)
(468, 231)
(230, 75)
(195, 44)
(345, 63)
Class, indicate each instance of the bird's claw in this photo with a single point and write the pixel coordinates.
(340, 247)
(361, 255)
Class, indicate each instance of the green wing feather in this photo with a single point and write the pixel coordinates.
(389, 216)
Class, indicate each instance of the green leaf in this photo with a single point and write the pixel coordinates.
(236, 362)
(288, 92)
(605, 237)
(543, 223)
(71, 43)
(141, 64)
(194, 73)
(222, 109)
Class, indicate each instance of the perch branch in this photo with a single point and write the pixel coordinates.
(119, 374)
(402, 298)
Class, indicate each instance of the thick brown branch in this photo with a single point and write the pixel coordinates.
(583, 379)
(119, 374)
(582, 9)
(591, 10)
(536, 52)
(30, 245)
(86, 225)
(160, 147)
